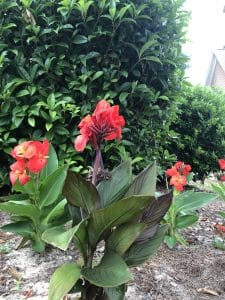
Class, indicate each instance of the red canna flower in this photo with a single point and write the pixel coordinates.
(25, 150)
(182, 168)
(179, 181)
(104, 124)
(38, 161)
(220, 228)
(221, 163)
(18, 171)
(172, 172)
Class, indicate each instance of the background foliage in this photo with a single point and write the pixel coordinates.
(58, 58)
(200, 129)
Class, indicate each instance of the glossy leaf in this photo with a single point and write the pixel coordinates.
(116, 293)
(140, 252)
(59, 237)
(112, 271)
(22, 228)
(52, 164)
(115, 188)
(123, 236)
(56, 212)
(22, 209)
(144, 183)
(190, 201)
(185, 221)
(52, 186)
(62, 281)
(80, 192)
(115, 214)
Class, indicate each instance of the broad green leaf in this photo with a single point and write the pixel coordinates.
(219, 189)
(146, 46)
(80, 192)
(115, 214)
(80, 39)
(116, 293)
(56, 212)
(115, 188)
(221, 213)
(52, 164)
(62, 280)
(80, 239)
(59, 237)
(22, 228)
(112, 271)
(52, 186)
(97, 75)
(144, 183)
(140, 252)
(15, 197)
(185, 221)
(21, 208)
(170, 241)
(123, 237)
(190, 201)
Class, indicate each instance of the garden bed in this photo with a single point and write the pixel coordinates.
(194, 272)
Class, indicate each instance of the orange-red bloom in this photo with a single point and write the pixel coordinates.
(37, 162)
(18, 171)
(25, 150)
(221, 163)
(179, 181)
(104, 124)
(220, 228)
(178, 175)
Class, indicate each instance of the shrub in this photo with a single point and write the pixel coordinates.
(57, 58)
(200, 129)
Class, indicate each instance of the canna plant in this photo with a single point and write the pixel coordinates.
(183, 210)
(112, 209)
(38, 203)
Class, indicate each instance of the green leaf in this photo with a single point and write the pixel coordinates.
(145, 183)
(80, 192)
(190, 201)
(80, 39)
(112, 8)
(56, 212)
(146, 46)
(22, 228)
(97, 75)
(115, 188)
(59, 237)
(170, 241)
(140, 252)
(80, 239)
(31, 121)
(22, 209)
(221, 213)
(116, 293)
(123, 237)
(152, 58)
(62, 281)
(52, 186)
(115, 214)
(185, 221)
(52, 164)
(112, 271)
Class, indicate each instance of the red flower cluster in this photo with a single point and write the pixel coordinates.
(31, 157)
(104, 124)
(178, 174)
(221, 163)
(220, 228)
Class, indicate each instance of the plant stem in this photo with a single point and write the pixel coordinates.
(98, 165)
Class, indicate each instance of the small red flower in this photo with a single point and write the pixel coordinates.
(221, 163)
(220, 227)
(25, 150)
(18, 171)
(104, 124)
(182, 168)
(37, 162)
(172, 172)
(179, 181)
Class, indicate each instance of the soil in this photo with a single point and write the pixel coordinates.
(195, 272)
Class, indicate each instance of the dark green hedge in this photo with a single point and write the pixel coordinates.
(58, 58)
(200, 129)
